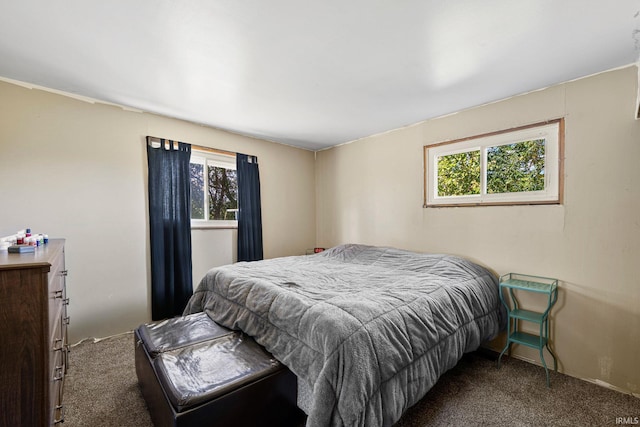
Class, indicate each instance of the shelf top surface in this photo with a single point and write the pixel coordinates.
(529, 285)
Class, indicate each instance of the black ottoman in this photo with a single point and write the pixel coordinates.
(193, 372)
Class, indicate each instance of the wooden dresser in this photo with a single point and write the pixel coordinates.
(33, 336)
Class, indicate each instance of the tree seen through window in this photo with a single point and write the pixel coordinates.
(220, 188)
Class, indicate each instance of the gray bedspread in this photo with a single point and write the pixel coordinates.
(369, 329)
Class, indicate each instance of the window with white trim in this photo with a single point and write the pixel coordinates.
(516, 166)
(214, 189)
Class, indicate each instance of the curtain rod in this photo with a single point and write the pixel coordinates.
(196, 147)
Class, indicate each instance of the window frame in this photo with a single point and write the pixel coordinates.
(216, 159)
(552, 131)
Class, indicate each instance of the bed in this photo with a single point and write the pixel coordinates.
(367, 330)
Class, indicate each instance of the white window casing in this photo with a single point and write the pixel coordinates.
(551, 132)
(217, 160)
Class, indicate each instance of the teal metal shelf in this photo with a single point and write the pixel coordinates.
(527, 285)
(527, 339)
(542, 285)
(529, 316)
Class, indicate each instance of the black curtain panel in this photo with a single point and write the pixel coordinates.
(249, 211)
(170, 227)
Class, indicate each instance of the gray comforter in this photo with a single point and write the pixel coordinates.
(369, 329)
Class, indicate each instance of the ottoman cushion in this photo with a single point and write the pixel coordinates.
(179, 332)
(204, 371)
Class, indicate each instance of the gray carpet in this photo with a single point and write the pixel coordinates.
(101, 390)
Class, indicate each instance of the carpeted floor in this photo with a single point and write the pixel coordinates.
(101, 390)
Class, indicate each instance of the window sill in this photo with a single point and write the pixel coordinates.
(219, 225)
(505, 203)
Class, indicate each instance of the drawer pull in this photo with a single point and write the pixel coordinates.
(59, 373)
(66, 320)
(65, 301)
(59, 340)
(64, 272)
(61, 419)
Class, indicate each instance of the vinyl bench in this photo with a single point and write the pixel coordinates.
(194, 372)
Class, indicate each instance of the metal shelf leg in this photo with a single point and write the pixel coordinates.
(507, 347)
(546, 370)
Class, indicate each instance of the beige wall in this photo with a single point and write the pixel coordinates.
(77, 170)
(371, 191)
(212, 248)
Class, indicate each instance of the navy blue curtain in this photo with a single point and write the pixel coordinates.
(249, 210)
(170, 227)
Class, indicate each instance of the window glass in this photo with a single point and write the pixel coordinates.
(197, 190)
(516, 167)
(223, 193)
(459, 174)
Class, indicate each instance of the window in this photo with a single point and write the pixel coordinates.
(517, 166)
(214, 189)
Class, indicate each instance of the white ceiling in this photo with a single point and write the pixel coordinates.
(311, 74)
